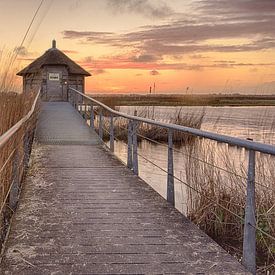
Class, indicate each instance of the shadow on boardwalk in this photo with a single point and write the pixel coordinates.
(82, 211)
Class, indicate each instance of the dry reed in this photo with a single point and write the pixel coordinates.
(150, 131)
(14, 153)
(219, 190)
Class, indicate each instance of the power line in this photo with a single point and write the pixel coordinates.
(27, 32)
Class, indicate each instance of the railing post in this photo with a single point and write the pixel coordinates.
(130, 145)
(135, 148)
(14, 191)
(85, 111)
(100, 130)
(81, 106)
(170, 169)
(112, 137)
(27, 144)
(249, 238)
(71, 96)
(92, 117)
(75, 100)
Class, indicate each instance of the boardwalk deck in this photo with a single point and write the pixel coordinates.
(82, 211)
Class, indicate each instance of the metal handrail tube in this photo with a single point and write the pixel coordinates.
(250, 145)
(7, 135)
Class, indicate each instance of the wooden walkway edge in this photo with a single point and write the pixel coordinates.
(81, 211)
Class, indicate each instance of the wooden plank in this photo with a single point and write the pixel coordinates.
(82, 211)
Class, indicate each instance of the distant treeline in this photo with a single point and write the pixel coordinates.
(185, 100)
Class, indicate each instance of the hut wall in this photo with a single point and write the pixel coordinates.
(32, 82)
(76, 82)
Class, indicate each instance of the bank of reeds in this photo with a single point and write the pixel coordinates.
(145, 130)
(15, 153)
(219, 190)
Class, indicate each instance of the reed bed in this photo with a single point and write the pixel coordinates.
(15, 153)
(218, 190)
(145, 130)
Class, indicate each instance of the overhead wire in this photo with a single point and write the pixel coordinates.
(27, 31)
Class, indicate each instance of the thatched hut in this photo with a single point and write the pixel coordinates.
(54, 72)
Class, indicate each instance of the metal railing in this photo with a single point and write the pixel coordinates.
(80, 100)
(15, 149)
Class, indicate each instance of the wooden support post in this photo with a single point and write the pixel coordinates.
(85, 110)
(81, 108)
(27, 143)
(135, 148)
(130, 145)
(92, 117)
(249, 239)
(170, 169)
(77, 102)
(14, 191)
(100, 130)
(112, 137)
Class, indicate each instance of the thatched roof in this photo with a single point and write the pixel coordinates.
(53, 56)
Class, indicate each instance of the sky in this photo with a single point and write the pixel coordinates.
(180, 46)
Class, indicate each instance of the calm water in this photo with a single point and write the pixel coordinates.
(257, 123)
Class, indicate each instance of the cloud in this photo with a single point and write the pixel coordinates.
(69, 51)
(125, 62)
(144, 58)
(178, 38)
(240, 23)
(22, 51)
(87, 59)
(236, 8)
(98, 71)
(154, 72)
(146, 8)
(198, 56)
(71, 34)
(253, 70)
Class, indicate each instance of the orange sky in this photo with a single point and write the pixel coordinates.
(209, 46)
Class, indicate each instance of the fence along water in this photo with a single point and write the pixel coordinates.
(80, 100)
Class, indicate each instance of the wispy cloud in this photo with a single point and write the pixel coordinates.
(98, 71)
(124, 62)
(70, 51)
(22, 51)
(154, 72)
(157, 9)
(245, 25)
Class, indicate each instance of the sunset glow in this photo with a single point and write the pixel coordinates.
(200, 46)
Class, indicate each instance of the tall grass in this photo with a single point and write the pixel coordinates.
(15, 152)
(219, 190)
(150, 131)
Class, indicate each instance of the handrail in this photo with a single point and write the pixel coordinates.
(7, 135)
(250, 145)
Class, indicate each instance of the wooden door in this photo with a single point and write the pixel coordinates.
(54, 86)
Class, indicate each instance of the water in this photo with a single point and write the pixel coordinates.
(256, 123)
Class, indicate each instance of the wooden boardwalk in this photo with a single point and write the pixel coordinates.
(82, 211)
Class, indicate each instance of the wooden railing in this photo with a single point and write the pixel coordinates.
(15, 148)
(80, 101)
